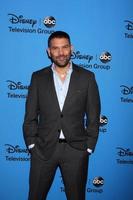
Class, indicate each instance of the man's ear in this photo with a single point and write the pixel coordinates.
(72, 48)
(48, 52)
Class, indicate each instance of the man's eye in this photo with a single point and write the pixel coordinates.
(67, 46)
(54, 48)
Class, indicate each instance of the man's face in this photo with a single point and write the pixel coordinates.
(60, 51)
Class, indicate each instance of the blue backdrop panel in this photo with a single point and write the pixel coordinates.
(102, 35)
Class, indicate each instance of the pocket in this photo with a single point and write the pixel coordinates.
(78, 150)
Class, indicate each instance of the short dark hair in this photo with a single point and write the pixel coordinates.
(58, 34)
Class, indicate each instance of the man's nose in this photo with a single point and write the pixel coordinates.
(61, 51)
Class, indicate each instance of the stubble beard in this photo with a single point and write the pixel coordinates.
(62, 63)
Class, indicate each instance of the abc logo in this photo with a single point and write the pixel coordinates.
(105, 57)
(49, 22)
(103, 120)
(98, 181)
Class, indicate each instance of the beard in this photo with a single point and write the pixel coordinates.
(61, 61)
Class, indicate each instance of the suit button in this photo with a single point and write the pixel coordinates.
(61, 115)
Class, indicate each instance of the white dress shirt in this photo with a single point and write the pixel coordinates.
(61, 88)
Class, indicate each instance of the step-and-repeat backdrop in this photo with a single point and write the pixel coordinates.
(102, 35)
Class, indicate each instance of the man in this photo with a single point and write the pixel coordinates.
(59, 98)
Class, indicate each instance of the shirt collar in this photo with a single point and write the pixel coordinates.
(69, 70)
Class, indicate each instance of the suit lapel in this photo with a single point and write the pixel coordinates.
(73, 85)
(52, 89)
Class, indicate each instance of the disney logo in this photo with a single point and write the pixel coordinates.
(15, 149)
(129, 25)
(78, 55)
(20, 19)
(126, 90)
(14, 86)
(124, 152)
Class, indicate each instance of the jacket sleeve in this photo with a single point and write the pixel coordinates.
(92, 112)
(31, 113)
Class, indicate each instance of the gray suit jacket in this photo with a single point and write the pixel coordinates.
(44, 119)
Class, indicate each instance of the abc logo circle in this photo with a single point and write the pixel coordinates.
(105, 57)
(98, 181)
(103, 120)
(49, 21)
